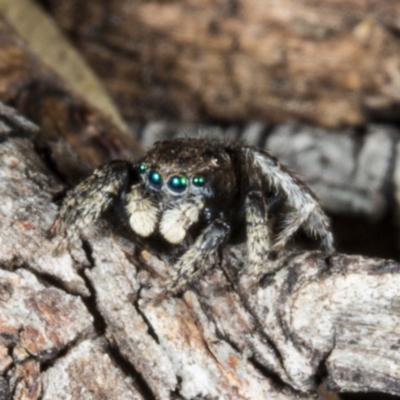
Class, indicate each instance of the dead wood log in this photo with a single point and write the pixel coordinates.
(40, 31)
(330, 63)
(77, 321)
(32, 87)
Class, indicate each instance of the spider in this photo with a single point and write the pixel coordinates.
(197, 195)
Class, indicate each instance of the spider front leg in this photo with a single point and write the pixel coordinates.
(258, 237)
(198, 258)
(84, 204)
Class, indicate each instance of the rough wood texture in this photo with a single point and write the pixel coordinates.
(77, 321)
(38, 93)
(332, 63)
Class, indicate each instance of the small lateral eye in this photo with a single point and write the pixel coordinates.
(198, 181)
(141, 168)
(177, 183)
(155, 179)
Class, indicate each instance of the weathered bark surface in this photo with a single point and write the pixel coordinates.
(77, 320)
(38, 93)
(332, 63)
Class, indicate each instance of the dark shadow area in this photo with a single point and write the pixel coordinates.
(368, 396)
(357, 235)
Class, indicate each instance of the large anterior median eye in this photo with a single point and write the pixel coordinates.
(177, 183)
(155, 179)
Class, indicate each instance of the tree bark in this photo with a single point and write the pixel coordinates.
(36, 90)
(332, 63)
(39, 29)
(77, 320)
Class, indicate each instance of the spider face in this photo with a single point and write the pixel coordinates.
(202, 188)
(182, 168)
(180, 181)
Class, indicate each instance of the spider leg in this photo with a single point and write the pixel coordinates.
(198, 258)
(313, 221)
(258, 237)
(307, 212)
(84, 204)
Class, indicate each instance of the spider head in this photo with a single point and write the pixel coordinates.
(185, 168)
(179, 179)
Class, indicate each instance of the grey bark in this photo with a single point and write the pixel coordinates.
(332, 63)
(77, 320)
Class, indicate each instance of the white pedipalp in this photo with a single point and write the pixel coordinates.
(143, 214)
(176, 221)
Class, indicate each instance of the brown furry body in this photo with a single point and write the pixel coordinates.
(198, 194)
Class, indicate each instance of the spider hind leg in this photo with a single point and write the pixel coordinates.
(305, 210)
(315, 223)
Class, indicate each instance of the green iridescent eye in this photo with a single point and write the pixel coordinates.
(177, 183)
(198, 181)
(142, 168)
(155, 179)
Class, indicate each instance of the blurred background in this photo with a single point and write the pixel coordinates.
(316, 83)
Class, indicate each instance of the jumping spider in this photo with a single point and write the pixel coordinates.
(197, 194)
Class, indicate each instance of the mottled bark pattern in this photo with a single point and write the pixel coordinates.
(77, 320)
(330, 62)
(37, 92)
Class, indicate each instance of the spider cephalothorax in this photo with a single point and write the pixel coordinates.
(199, 194)
(182, 185)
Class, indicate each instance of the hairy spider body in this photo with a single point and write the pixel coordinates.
(198, 194)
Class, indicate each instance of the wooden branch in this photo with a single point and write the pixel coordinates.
(76, 319)
(43, 36)
(331, 63)
(29, 85)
